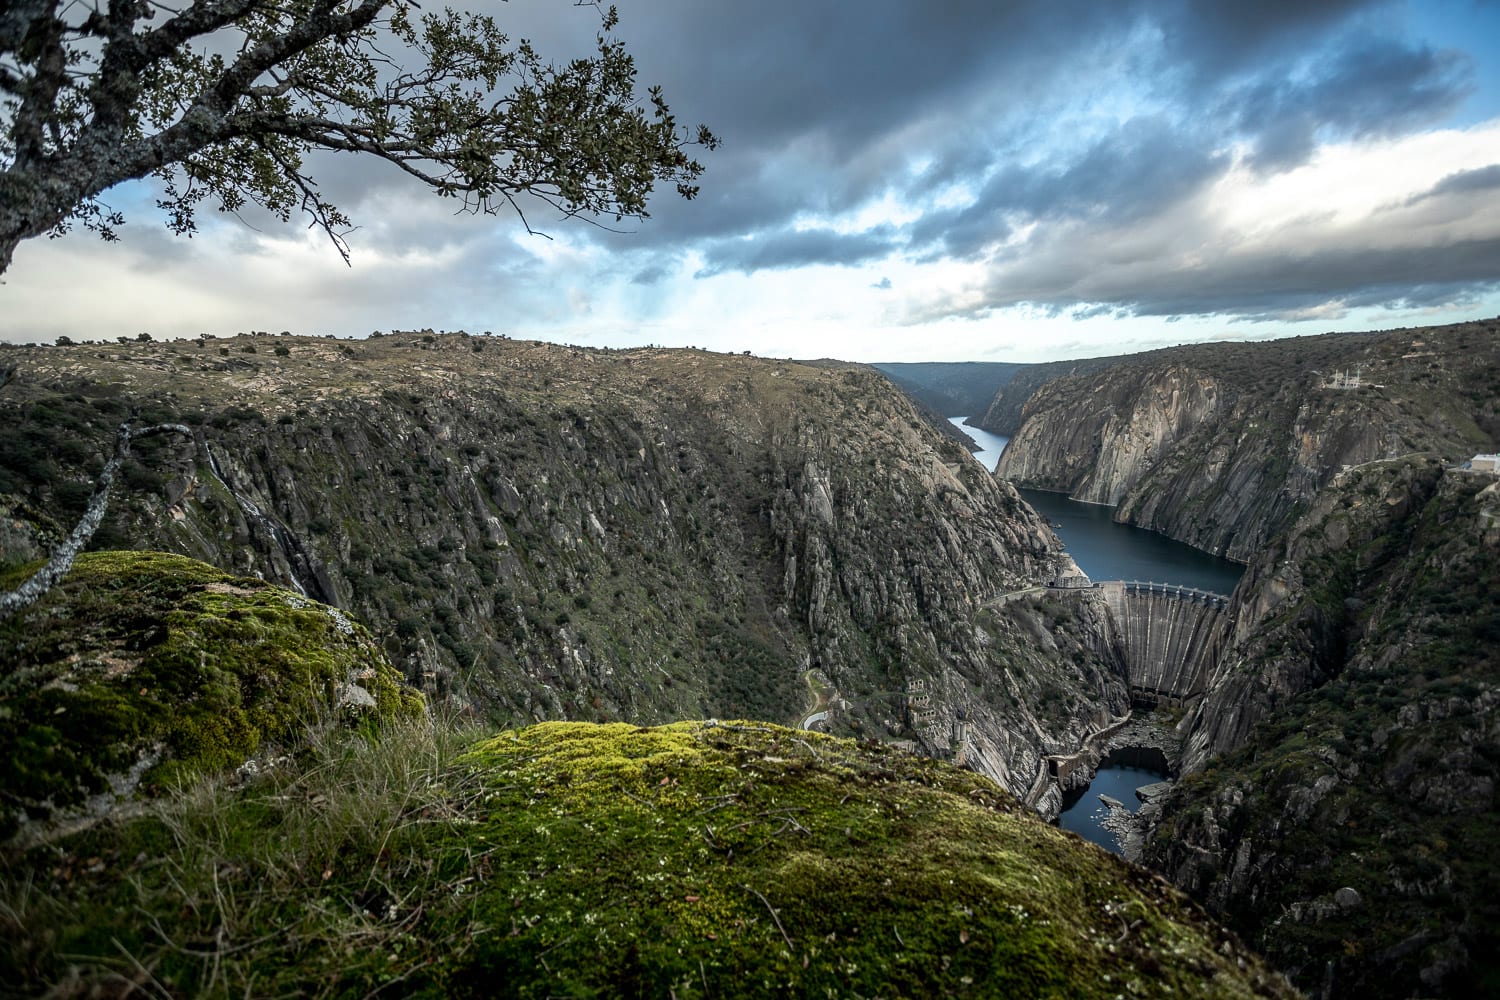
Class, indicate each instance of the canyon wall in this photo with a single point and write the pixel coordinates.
(1342, 810)
(1222, 446)
(542, 532)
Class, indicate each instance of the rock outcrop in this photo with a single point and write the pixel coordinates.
(143, 669)
(1101, 451)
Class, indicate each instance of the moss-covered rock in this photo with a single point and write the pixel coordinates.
(578, 860)
(739, 859)
(148, 666)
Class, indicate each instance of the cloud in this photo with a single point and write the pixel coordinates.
(1369, 86)
(797, 248)
(1247, 248)
(980, 167)
(1479, 180)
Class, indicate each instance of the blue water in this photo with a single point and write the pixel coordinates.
(1106, 550)
(990, 445)
(1086, 816)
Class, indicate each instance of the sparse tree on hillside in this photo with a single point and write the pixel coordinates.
(222, 100)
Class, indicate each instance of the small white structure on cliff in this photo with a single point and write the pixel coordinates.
(1344, 380)
(1485, 463)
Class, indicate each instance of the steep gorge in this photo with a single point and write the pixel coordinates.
(1222, 446)
(541, 532)
(1340, 746)
(1342, 810)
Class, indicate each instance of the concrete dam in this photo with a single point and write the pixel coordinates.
(1170, 638)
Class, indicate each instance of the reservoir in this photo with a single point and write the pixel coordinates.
(1086, 816)
(990, 445)
(1106, 550)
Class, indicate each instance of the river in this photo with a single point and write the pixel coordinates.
(1107, 550)
(990, 445)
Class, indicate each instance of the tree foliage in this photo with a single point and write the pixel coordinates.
(223, 100)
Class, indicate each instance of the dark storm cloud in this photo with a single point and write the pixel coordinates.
(1275, 286)
(824, 108)
(797, 248)
(1215, 40)
(1368, 87)
(1134, 172)
(1264, 285)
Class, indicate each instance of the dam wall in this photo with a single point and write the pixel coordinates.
(1169, 636)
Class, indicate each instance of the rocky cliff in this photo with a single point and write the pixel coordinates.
(1003, 412)
(1221, 446)
(1343, 813)
(544, 532)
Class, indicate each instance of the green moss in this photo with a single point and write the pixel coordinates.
(165, 665)
(702, 859)
(572, 859)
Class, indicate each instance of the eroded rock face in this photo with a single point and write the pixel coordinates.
(1099, 452)
(1222, 446)
(545, 532)
(1343, 815)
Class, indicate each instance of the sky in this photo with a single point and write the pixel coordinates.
(902, 181)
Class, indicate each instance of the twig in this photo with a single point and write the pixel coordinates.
(772, 912)
(140, 968)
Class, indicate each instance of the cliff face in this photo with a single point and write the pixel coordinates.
(1344, 814)
(544, 532)
(1222, 446)
(1003, 413)
(1099, 452)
